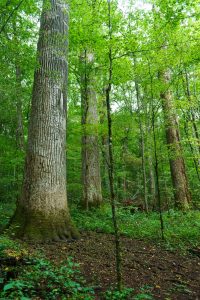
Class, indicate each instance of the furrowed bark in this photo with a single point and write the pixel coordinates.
(177, 164)
(42, 211)
(91, 177)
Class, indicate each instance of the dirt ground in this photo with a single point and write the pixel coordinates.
(168, 274)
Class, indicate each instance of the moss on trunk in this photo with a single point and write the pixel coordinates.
(40, 227)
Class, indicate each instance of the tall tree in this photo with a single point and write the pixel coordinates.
(111, 160)
(91, 178)
(142, 138)
(42, 212)
(176, 160)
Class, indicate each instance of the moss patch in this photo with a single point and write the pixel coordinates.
(39, 227)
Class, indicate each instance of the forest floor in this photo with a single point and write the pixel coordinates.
(154, 269)
(148, 268)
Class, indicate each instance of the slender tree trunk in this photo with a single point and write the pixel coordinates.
(176, 160)
(156, 156)
(104, 145)
(123, 154)
(142, 148)
(42, 212)
(157, 176)
(105, 156)
(152, 181)
(111, 161)
(20, 126)
(91, 177)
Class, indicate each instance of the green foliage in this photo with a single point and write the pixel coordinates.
(118, 295)
(138, 36)
(128, 293)
(42, 279)
(181, 229)
(26, 277)
(7, 243)
(11, 162)
(38, 277)
(144, 294)
(6, 211)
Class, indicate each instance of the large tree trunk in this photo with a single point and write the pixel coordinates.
(42, 211)
(177, 164)
(91, 178)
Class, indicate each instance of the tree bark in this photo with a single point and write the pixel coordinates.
(156, 166)
(142, 148)
(177, 164)
(42, 212)
(104, 145)
(152, 181)
(123, 159)
(118, 254)
(91, 177)
(157, 169)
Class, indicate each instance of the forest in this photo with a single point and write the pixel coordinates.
(99, 149)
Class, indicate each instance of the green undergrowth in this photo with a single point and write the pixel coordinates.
(26, 276)
(44, 280)
(181, 229)
(6, 211)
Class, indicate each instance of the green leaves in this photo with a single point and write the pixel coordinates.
(17, 284)
(45, 280)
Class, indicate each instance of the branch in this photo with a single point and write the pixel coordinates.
(10, 16)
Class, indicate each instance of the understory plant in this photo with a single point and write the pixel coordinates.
(40, 279)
